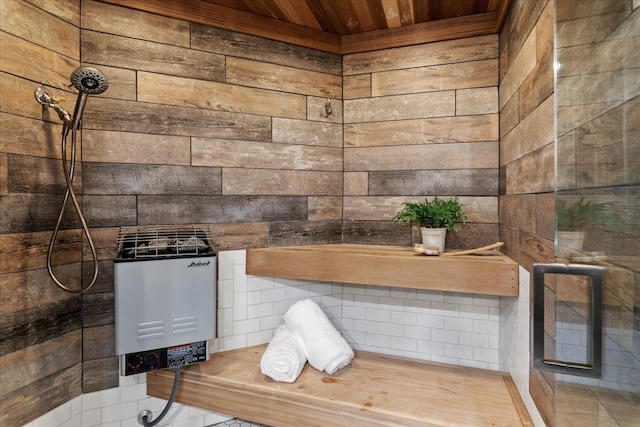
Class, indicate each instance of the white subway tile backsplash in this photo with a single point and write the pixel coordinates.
(486, 355)
(119, 412)
(494, 342)
(378, 315)
(403, 318)
(270, 322)
(474, 312)
(225, 293)
(232, 342)
(366, 326)
(352, 289)
(417, 332)
(259, 337)
(254, 297)
(240, 304)
(486, 300)
(445, 336)
(92, 417)
(417, 305)
(225, 322)
(402, 293)
(378, 291)
(240, 279)
(431, 348)
(298, 292)
(101, 399)
(241, 327)
(133, 392)
(257, 283)
(391, 329)
(430, 320)
(239, 257)
(365, 300)
(225, 265)
(353, 312)
(425, 294)
(390, 303)
(257, 311)
(486, 326)
(404, 344)
(274, 294)
(377, 340)
(444, 309)
(321, 289)
(458, 351)
(474, 339)
(458, 298)
(459, 324)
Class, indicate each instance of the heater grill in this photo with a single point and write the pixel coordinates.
(156, 242)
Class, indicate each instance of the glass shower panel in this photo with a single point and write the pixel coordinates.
(597, 94)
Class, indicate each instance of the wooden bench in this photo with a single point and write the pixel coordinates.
(375, 390)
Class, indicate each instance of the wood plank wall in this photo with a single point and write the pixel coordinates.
(203, 126)
(206, 126)
(527, 178)
(421, 121)
(40, 325)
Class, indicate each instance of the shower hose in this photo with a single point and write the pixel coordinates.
(69, 193)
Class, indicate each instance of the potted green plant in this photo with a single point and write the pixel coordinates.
(435, 217)
(572, 221)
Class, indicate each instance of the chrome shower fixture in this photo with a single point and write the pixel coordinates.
(88, 81)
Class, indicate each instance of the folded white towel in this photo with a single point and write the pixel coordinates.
(284, 357)
(325, 348)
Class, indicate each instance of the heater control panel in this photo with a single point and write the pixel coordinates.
(162, 358)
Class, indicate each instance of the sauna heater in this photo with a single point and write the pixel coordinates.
(165, 297)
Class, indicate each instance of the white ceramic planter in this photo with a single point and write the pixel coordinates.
(570, 242)
(434, 237)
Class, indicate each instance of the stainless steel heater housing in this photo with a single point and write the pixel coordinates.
(165, 297)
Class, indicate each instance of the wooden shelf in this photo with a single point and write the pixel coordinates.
(393, 266)
(374, 390)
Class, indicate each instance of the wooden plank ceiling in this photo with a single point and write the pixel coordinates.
(339, 26)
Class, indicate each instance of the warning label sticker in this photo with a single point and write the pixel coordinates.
(185, 354)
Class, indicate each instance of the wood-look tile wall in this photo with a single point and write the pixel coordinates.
(211, 127)
(203, 127)
(40, 325)
(421, 121)
(527, 178)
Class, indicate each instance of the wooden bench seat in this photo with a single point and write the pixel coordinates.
(375, 390)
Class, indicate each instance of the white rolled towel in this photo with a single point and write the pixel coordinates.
(284, 357)
(325, 348)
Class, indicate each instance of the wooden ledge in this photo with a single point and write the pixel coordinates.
(375, 390)
(395, 266)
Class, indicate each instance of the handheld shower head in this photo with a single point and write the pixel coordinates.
(88, 81)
